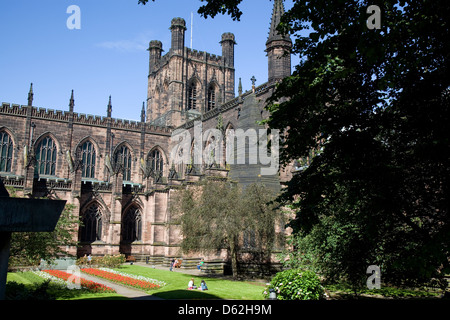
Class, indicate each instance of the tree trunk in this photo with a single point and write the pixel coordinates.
(233, 253)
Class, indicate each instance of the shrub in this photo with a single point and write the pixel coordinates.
(296, 284)
(82, 261)
(19, 291)
(113, 261)
(106, 261)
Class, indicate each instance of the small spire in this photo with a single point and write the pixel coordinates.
(109, 110)
(278, 46)
(71, 103)
(143, 112)
(240, 86)
(30, 96)
(278, 11)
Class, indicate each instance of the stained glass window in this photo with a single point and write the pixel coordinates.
(46, 157)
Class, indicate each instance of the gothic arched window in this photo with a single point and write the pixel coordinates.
(123, 157)
(211, 97)
(88, 160)
(156, 161)
(91, 229)
(46, 157)
(6, 151)
(132, 225)
(192, 96)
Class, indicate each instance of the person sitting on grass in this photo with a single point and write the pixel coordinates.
(191, 284)
(203, 286)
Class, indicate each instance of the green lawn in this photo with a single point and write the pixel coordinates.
(177, 283)
(20, 277)
(176, 287)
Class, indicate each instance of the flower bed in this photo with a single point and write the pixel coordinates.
(138, 282)
(90, 285)
(54, 280)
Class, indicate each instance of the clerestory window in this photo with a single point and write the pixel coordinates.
(123, 157)
(211, 98)
(88, 160)
(192, 96)
(46, 152)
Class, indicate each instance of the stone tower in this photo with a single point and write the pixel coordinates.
(278, 47)
(178, 28)
(228, 42)
(155, 49)
(185, 82)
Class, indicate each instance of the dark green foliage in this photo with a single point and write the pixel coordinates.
(376, 102)
(295, 284)
(19, 291)
(214, 7)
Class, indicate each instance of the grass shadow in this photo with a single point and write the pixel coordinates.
(186, 295)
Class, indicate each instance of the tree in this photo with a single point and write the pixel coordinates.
(214, 215)
(378, 100)
(214, 7)
(30, 247)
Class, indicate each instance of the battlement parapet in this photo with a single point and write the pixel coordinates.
(80, 118)
(50, 114)
(118, 124)
(89, 119)
(202, 55)
(13, 109)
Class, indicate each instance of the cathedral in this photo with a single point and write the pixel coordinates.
(120, 174)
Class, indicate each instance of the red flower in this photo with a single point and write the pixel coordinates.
(129, 281)
(90, 285)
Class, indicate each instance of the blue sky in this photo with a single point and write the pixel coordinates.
(108, 56)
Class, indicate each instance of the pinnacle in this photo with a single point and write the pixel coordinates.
(277, 13)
